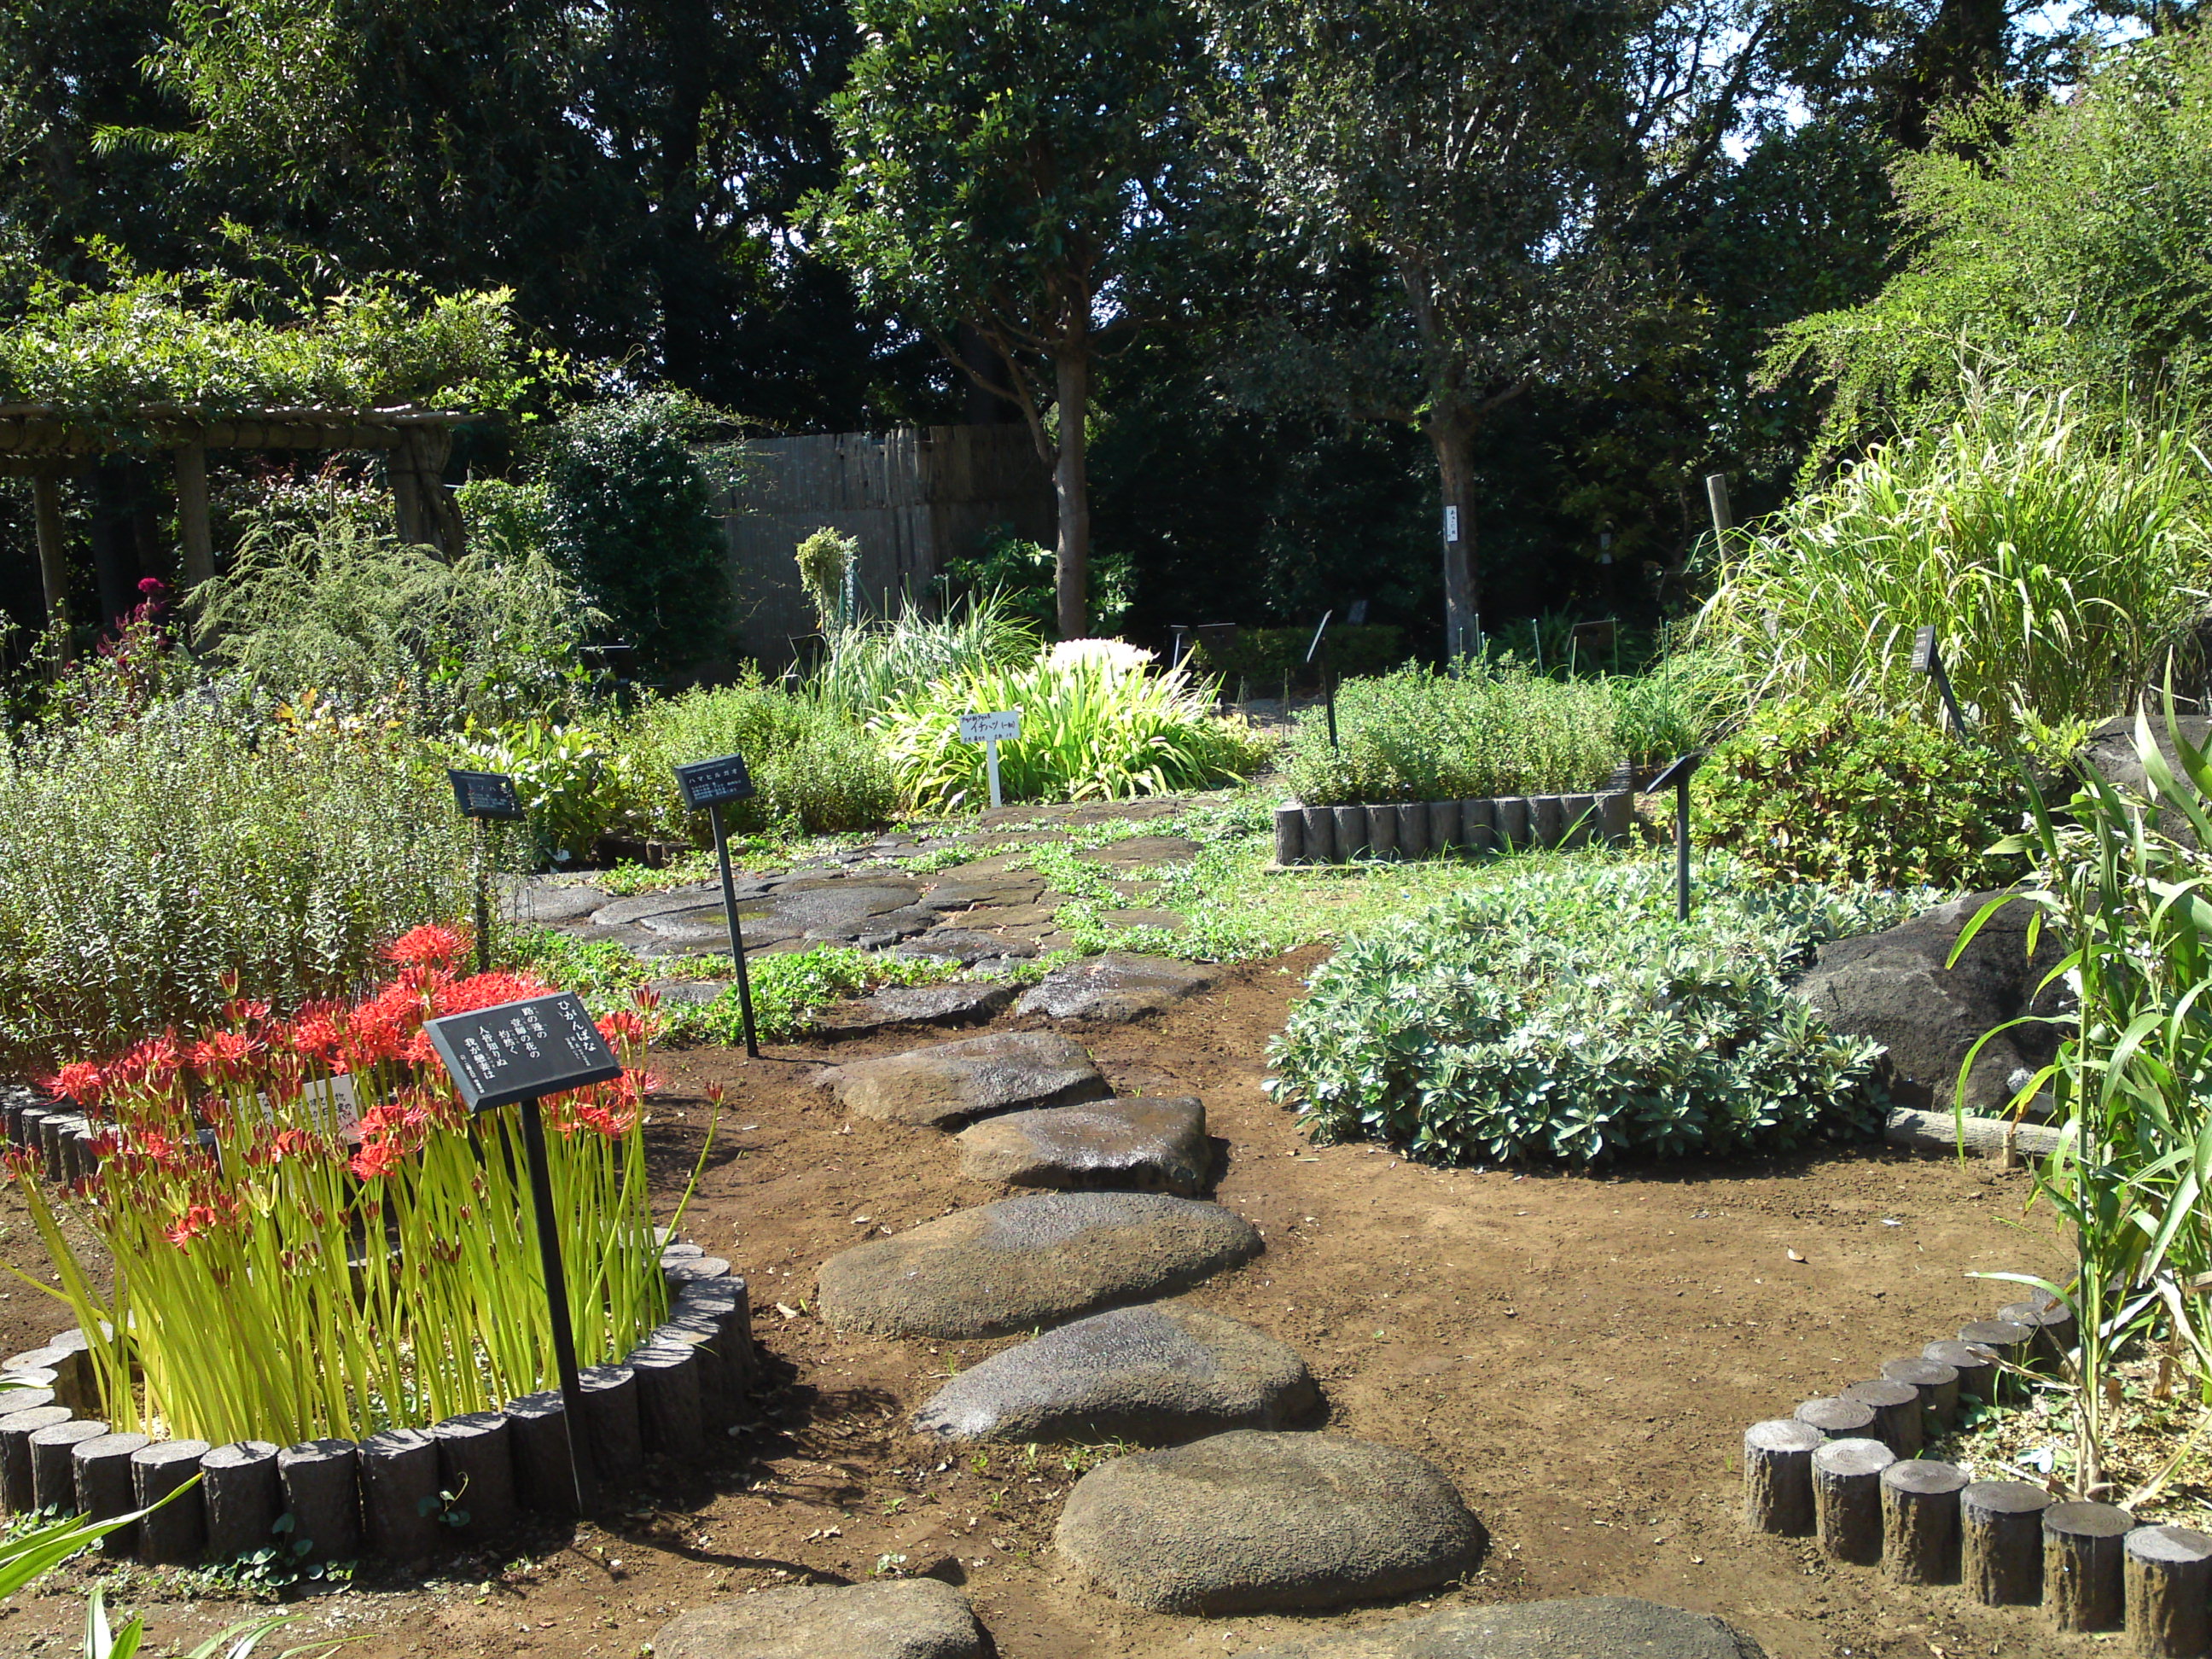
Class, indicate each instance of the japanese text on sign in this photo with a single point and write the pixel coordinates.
(522, 1050)
(711, 782)
(1001, 727)
(485, 794)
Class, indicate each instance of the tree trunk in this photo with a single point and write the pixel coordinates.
(1070, 487)
(1451, 432)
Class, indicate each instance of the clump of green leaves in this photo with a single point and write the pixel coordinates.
(1836, 792)
(1566, 1015)
(812, 764)
(826, 563)
(790, 986)
(1420, 735)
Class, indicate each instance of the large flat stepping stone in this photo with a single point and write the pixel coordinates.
(1141, 850)
(966, 945)
(916, 1005)
(949, 1083)
(1248, 1521)
(1115, 987)
(1585, 1627)
(1149, 1143)
(1153, 1374)
(902, 1618)
(547, 903)
(1024, 1262)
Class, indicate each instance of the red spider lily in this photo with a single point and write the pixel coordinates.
(487, 991)
(197, 1219)
(376, 1159)
(319, 1035)
(80, 1081)
(226, 1056)
(427, 945)
(623, 1029)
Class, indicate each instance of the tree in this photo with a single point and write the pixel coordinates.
(1024, 168)
(1504, 167)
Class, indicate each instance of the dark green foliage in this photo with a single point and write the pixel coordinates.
(631, 516)
(1261, 656)
(1563, 1014)
(811, 762)
(1021, 573)
(1836, 792)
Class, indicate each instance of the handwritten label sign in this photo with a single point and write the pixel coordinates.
(522, 1050)
(485, 794)
(712, 782)
(1001, 727)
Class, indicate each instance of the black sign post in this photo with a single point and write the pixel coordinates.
(707, 785)
(487, 797)
(516, 1054)
(1678, 775)
(1927, 659)
(1318, 652)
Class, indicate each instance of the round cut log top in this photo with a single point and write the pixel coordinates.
(903, 1619)
(1585, 1627)
(1248, 1521)
(1029, 1261)
(1152, 1375)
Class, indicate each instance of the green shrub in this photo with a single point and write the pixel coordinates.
(812, 764)
(1261, 657)
(1020, 573)
(2058, 560)
(1418, 735)
(1096, 724)
(630, 511)
(141, 863)
(1563, 1014)
(575, 783)
(1670, 710)
(1836, 792)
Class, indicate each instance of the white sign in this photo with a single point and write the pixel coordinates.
(1002, 727)
(1451, 524)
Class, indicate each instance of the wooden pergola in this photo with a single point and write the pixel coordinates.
(47, 445)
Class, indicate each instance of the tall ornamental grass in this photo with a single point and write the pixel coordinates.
(2060, 562)
(312, 1237)
(869, 663)
(1096, 724)
(148, 863)
(1418, 735)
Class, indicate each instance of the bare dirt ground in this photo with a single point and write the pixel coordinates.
(1580, 1353)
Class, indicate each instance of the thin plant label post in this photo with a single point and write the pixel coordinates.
(1317, 654)
(1927, 659)
(489, 797)
(708, 786)
(1677, 776)
(992, 730)
(514, 1055)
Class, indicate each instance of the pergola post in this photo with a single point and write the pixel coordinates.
(192, 515)
(53, 555)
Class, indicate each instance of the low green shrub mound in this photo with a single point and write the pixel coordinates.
(1563, 1014)
(1840, 792)
(812, 764)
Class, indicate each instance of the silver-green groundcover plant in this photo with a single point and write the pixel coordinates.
(1563, 1014)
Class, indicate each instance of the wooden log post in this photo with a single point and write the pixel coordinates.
(1382, 831)
(1478, 825)
(475, 1463)
(1290, 834)
(1616, 817)
(2007, 1344)
(53, 1463)
(1896, 1412)
(244, 1495)
(103, 1485)
(1509, 818)
(1547, 820)
(197, 542)
(16, 1431)
(175, 1534)
(1412, 829)
(537, 1429)
(2051, 1321)
(321, 1480)
(1318, 836)
(1937, 1384)
(719, 1394)
(2083, 1545)
(1580, 813)
(1837, 1418)
(1351, 833)
(1444, 832)
(399, 1504)
(1777, 1477)
(728, 1302)
(53, 554)
(1847, 1499)
(2168, 1573)
(611, 1428)
(1920, 1521)
(670, 1375)
(1976, 1368)
(2001, 1541)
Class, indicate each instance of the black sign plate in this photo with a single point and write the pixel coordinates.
(711, 782)
(522, 1050)
(1677, 769)
(1923, 649)
(485, 794)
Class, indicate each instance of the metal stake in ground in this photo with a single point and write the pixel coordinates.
(516, 1054)
(1317, 652)
(1678, 775)
(1927, 659)
(991, 730)
(709, 785)
(487, 797)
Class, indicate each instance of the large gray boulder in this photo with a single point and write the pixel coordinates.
(2111, 748)
(949, 1083)
(1154, 1144)
(1024, 1262)
(1249, 1520)
(904, 1619)
(1152, 1375)
(1116, 988)
(1894, 988)
(1586, 1627)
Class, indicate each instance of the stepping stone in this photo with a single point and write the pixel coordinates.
(959, 894)
(1144, 1142)
(951, 1082)
(965, 944)
(1249, 1520)
(1142, 850)
(675, 991)
(1172, 921)
(1154, 1375)
(637, 908)
(1024, 1262)
(916, 1005)
(1116, 988)
(549, 903)
(1586, 1627)
(902, 1618)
